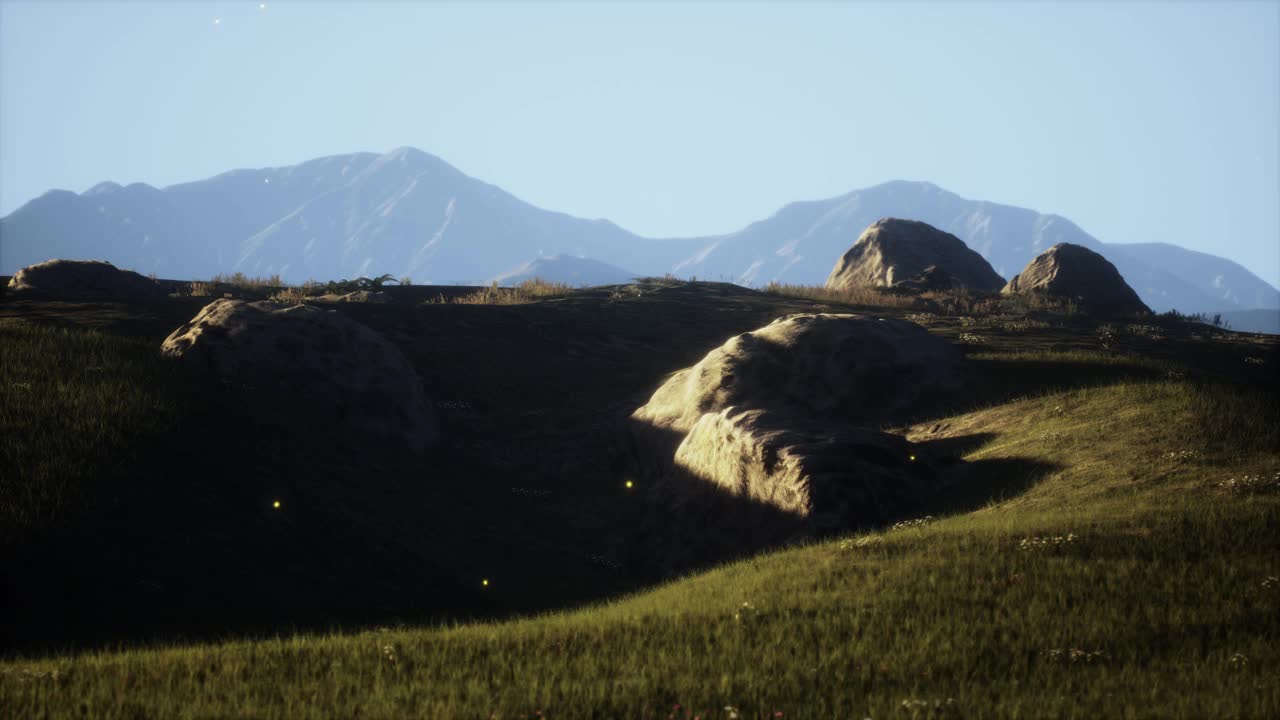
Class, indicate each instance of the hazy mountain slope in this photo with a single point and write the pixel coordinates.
(404, 213)
(1261, 320)
(183, 231)
(1226, 283)
(567, 269)
(134, 224)
(802, 241)
(411, 213)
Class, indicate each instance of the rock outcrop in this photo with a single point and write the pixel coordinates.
(760, 441)
(834, 476)
(83, 279)
(849, 367)
(330, 364)
(1078, 273)
(894, 250)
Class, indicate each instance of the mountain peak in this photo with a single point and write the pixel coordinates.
(410, 159)
(102, 188)
(914, 187)
(408, 154)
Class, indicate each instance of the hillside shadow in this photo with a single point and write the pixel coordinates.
(209, 559)
(151, 319)
(948, 451)
(693, 524)
(187, 544)
(524, 491)
(976, 484)
(996, 382)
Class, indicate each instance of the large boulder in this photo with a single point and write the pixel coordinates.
(746, 481)
(854, 368)
(1080, 274)
(760, 442)
(84, 279)
(893, 250)
(332, 365)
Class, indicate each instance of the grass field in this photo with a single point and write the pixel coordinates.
(1111, 549)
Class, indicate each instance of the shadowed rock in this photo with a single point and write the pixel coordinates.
(760, 438)
(832, 477)
(1078, 273)
(894, 250)
(325, 360)
(84, 279)
(931, 279)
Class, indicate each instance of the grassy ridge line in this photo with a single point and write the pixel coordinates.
(1126, 583)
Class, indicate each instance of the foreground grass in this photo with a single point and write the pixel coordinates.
(1130, 580)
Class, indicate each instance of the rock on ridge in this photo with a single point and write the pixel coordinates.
(1072, 271)
(84, 279)
(335, 368)
(892, 250)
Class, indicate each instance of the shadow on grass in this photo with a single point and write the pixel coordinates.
(693, 523)
(970, 486)
(187, 542)
(153, 319)
(995, 382)
(948, 451)
(192, 548)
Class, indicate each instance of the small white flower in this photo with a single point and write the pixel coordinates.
(906, 524)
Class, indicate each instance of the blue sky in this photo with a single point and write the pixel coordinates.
(1143, 122)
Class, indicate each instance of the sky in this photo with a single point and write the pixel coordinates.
(1142, 122)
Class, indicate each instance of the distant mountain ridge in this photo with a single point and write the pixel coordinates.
(567, 269)
(407, 212)
(798, 242)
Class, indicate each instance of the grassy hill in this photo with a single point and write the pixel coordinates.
(1108, 548)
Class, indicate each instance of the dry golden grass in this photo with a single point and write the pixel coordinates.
(870, 297)
(950, 302)
(527, 291)
(289, 296)
(244, 282)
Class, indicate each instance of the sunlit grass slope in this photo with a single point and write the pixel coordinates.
(1135, 575)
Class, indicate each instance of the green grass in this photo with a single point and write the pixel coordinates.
(77, 409)
(1165, 602)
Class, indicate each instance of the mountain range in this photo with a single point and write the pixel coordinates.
(410, 213)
